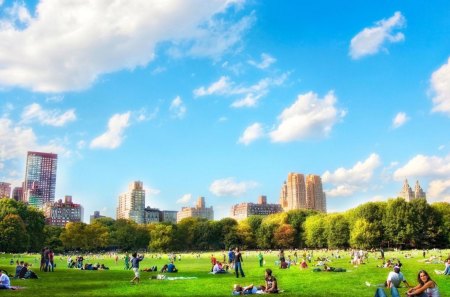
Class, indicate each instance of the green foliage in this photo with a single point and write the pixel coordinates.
(161, 237)
(315, 235)
(13, 234)
(337, 230)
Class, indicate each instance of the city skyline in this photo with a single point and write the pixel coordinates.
(224, 99)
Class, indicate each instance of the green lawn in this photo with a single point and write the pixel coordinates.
(294, 281)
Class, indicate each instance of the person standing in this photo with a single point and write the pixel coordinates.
(260, 259)
(127, 262)
(230, 256)
(238, 263)
(135, 266)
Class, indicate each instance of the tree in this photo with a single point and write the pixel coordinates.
(73, 237)
(284, 236)
(264, 236)
(315, 235)
(162, 238)
(52, 237)
(364, 234)
(337, 231)
(296, 219)
(397, 223)
(13, 234)
(372, 212)
(426, 224)
(444, 209)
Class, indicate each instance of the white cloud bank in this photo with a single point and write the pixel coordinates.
(249, 95)
(66, 45)
(185, 199)
(47, 117)
(440, 87)
(425, 166)
(309, 117)
(230, 187)
(349, 181)
(266, 61)
(252, 133)
(371, 40)
(113, 137)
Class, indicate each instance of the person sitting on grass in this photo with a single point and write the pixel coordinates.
(251, 289)
(395, 278)
(271, 282)
(446, 270)
(218, 268)
(23, 271)
(426, 287)
(303, 265)
(171, 268)
(5, 282)
(18, 269)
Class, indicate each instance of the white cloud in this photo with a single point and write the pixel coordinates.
(251, 94)
(113, 137)
(219, 87)
(439, 190)
(251, 133)
(266, 61)
(47, 117)
(16, 140)
(229, 187)
(349, 181)
(308, 117)
(399, 120)
(55, 98)
(424, 166)
(151, 191)
(81, 40)
(371, 40)
(440, 87)
(185, 199)
(177, 108)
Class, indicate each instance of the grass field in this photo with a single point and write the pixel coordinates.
(294, 281)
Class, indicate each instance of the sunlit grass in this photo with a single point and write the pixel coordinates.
(294, 281)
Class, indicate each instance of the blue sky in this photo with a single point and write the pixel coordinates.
(224, 98)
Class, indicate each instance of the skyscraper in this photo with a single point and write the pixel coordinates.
(315, 196)
(293, 194)
(40, 178)
(132, 203)
(296, 193)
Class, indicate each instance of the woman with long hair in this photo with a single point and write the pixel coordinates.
(426, 287)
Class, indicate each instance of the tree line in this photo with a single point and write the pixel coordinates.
(393, 223)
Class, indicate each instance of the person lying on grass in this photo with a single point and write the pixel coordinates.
(251, 289)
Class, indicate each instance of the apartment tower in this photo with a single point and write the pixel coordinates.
(40, 178)
(132, 203)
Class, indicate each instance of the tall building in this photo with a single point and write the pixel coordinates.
(293, 194)
(408, 194)
(132, 203)
(17, 193)
(199, 211)
(5, 190)
(154, 215)
(315, 196)
(244, 210)
(40, 178)
(418, 192)
(60, 213)
(298, 193)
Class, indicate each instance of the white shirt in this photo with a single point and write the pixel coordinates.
(4, 280)
(395, 278)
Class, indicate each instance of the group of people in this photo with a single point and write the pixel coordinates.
(426, 286)
(47, 260)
